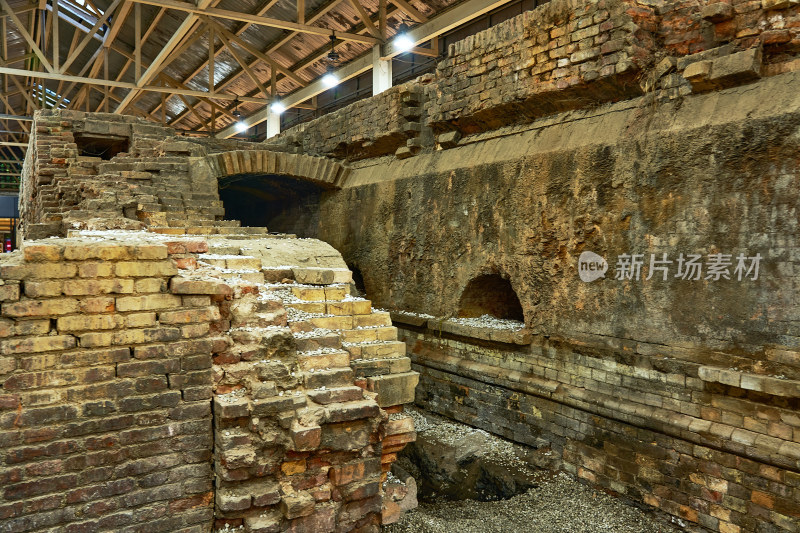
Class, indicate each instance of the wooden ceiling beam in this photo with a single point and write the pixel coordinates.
(88, 37)
(410, 10)
(128, 85)
(156, 65)
(26, 35)
(257, 20)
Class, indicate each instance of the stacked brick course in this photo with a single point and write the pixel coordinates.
(371, 127)
(106, 382)
(648, 428)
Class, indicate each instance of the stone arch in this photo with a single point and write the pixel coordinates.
(321, 171)
(490, 293)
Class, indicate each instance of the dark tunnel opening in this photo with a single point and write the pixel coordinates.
(283, 204)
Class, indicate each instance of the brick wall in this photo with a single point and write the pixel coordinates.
(106, 387)
(370, 127)
(150, 183)
(647, 428)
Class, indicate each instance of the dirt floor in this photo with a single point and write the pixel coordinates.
(559, 505)
(555, 503)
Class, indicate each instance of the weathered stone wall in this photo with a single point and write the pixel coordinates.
(367, 128)
(708, 369)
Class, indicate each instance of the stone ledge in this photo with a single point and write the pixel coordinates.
(744, 380)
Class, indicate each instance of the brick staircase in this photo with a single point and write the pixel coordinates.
(303, 391)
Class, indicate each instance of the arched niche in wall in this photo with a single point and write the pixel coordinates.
(283, 204)
(490, 294)
(275, 189)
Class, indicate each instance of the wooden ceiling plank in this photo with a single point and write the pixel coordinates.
(157, 64)
(242, 63)
(365, 19)
(88, 37)
(26, 35)
(410, 10)
(262, 56)
(128, 85)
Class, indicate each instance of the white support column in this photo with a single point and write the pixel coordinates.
(273, 124)
(381, 71)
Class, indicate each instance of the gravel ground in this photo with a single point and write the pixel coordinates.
(559, 505)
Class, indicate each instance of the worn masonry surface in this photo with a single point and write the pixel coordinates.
(617, 179)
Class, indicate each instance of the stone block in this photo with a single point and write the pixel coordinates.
(778, 4)
(698, 74)
(395, 389)
(718, 11)
(735, 69)
(313, 276)
(232, 500)
(449, 139)
(297, 505)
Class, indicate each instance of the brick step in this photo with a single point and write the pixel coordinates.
(250, 276)
(336, 377)
(378, 350)
(259, 236)
(380, 367)
(239, 262)
(346, 411)
(312, 343)
(380, 333)
(261, 320)
(323, 360)
(322, 276)
(202, 222)
(336, 395)
(260, 335)
(317, 294)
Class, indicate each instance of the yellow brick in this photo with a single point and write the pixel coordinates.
(93, 340)
(335, 293)
(39, 362)
(38, 289)
(38, 271)
(89, 322)
(102, 251)
(42, 252)
(84, 287)
(9, 291)
(140, 320)
(193, 331)
(147, 285)
(309, 307)
(359, 335)
(377, 318)
(293, 467)
(362, 307)
(151, 251)
(309, 294)
(32, 327)
(100, 304)
(148, 302)
(37, 344)
(61, 306)
(95, 270)
(189, 316)
(145, 269)
(141, 336)
(339, 308)
(333, 322)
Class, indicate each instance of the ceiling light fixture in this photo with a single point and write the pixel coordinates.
(330, 79)
(241, 126)
(402, 42)
(277, 106)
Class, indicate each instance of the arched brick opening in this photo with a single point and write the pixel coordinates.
(326, 173)
(276, 190)
(490, 294)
